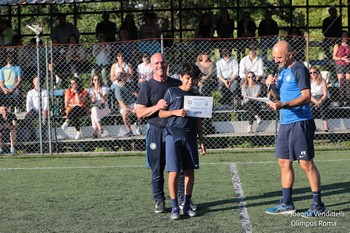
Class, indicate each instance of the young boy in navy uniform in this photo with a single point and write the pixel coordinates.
(181, 147)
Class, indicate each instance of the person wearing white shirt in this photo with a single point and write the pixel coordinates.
(252, 63)
(120, 66)
(32, 105)
(144, 70)
(227, 73)
(33, 99)
(99, 105)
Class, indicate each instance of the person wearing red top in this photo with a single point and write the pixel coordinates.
(75, 103)
(341, 53)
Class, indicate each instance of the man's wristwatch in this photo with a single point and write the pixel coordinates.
(285, 105)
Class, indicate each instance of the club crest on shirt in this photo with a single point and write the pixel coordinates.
(288, 78)
(153, 146)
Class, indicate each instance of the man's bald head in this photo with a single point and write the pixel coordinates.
(159, 65)
(283, 46)
(157, 56)
(282, 53)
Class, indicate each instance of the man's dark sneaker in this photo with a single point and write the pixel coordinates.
(315, 210)
(129, 134)
(159, 207)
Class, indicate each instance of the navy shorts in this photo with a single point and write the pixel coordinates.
(295, 141)
(181, 153)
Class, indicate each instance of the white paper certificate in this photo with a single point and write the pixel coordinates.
(198, 106)
(265, 100)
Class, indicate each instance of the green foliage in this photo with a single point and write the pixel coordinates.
(89, 14)
(234, 116)
(101, 149)
(217, 96)
(245, 144)
(21, 152)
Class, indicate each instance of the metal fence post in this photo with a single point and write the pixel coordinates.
(162, 43)
(48, 98)
(39, 84)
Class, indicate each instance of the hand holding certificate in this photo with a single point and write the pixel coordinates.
(199, 106)
(264, 100)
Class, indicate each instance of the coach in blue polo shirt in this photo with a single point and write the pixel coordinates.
(295, 140)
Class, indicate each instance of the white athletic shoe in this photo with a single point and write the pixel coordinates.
(250, 129)
(79, 135)
(138, 129)
(65, 125)
(258, 119)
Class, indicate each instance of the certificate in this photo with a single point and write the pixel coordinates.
(265, 100)
(198, 106)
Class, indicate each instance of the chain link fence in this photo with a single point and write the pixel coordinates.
(102, 119)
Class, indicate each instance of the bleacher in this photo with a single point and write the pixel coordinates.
(227, 125)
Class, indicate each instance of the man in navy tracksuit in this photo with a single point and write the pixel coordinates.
(149, 102)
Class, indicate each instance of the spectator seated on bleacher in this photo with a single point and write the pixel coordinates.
(120, 65)
(126, 99)
(250, 88)
(341, 53)
(227, 74)
(144, 70)
(319, 95)
(252, 63)
(32, 106)
(8, 125)
(207, 82)
(99, 105)
(75, 103)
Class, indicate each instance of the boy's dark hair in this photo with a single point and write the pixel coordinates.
(190, 69)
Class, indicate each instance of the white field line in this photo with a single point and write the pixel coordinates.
(143, 166)
(243, 213)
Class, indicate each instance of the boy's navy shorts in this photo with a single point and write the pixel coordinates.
(295, 141)
(181, 153)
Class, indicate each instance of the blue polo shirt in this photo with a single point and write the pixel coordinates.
(291, 81)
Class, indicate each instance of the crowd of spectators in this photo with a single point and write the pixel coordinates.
(235, 78)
